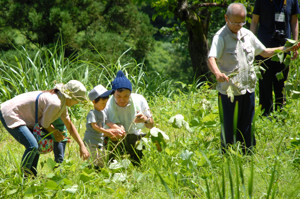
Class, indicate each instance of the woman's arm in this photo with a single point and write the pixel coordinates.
(58, 135)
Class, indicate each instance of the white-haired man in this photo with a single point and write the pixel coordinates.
(231, 60)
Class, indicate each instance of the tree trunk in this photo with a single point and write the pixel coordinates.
(196, 22)
(196, 25)
(198, 48)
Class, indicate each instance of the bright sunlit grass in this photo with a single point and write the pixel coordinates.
(189, 166)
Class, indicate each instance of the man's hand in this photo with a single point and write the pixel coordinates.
(116, 134)
(295, 49)
(119, 133)
(221, 77)
(140, 118)
(295, 55)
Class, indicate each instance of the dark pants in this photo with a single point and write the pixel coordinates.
(127, 146)
(270, 82)
(25, 137)
(59, 151)
(245, 114)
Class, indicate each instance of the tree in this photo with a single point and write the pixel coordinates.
(105, 27)
(196, 17)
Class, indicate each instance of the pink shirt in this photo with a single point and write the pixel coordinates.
(20, 110)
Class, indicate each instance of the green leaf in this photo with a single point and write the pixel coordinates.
(50, 184)
(178, 121)
(229, 93)
(67, 181)
(119, 177)
(115, 165)
(51, 163)
(72, 189)
(258, 70)
(195, 122)
(85, 177)
(156, 131)
(295, 94)
(143, 142)
(138, 176)
(12, 191)
(158, 137)
(287, 60)
(50, 175)
(186, 155)
(279, 76)
(34, 190)
(290, 43)
(295, 141)
(278, 57)
(29, 191)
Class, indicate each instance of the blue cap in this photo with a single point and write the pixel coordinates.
(99, 91)
(121, 81)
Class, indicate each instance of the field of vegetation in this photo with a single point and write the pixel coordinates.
(190, 164)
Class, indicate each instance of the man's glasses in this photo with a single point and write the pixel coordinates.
(236, 24)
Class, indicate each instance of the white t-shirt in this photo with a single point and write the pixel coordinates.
(125, 115)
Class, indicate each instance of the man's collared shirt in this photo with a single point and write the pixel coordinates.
(235, 55)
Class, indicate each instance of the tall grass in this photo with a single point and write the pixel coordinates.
(189, 166)
(42, 68)
(38, 70)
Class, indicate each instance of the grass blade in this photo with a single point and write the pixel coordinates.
(165, 184)
(237, 179)
(235, 120)
(207, 189)
(221, 120)
(223, 182)
(250, 182)
(230, 180)
(272, 179)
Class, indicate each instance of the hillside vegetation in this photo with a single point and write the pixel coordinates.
(190, 164)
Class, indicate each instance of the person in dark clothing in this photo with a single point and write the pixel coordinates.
(274, 21)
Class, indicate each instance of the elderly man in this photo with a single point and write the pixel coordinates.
(231, 61)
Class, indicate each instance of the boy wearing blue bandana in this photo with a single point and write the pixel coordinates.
(95, 131)
(131, 111)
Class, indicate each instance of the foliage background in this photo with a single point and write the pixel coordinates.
(190, 164)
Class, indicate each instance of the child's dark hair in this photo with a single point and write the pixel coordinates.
(122, 89)
(98, 98)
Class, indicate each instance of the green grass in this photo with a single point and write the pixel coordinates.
(190, 164)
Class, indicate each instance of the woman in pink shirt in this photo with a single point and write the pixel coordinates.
(18, 117)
